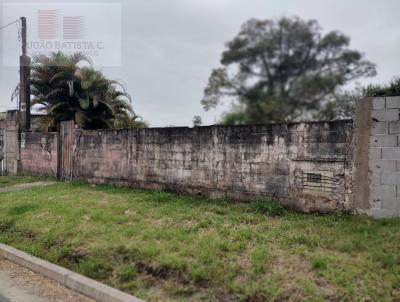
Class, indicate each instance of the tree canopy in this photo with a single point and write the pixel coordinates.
(283, 70)
(65, 89)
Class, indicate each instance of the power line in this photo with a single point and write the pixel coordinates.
(11, 23)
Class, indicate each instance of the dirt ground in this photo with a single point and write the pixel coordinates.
(23, 186)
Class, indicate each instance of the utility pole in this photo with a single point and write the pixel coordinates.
(24, 80)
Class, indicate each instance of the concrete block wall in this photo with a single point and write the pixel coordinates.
(384, 157)
(10, 125)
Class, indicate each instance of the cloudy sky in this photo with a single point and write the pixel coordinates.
(168, 47)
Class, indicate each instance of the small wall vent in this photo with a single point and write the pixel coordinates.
(318, 182)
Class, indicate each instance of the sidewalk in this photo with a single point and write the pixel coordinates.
(18, 284)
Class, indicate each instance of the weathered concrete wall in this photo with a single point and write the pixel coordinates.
(241, 162)
(9, 153)
(378, 180)
(318, 166)
(39, 153)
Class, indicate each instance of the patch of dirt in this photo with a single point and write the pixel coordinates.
(294, 269)
(26, 186)
(5, 227)
(77, 255)
(162, 272)
(24, 233)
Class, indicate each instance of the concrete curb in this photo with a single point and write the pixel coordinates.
(88, 287)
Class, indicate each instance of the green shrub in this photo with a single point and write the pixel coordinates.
(268, 207)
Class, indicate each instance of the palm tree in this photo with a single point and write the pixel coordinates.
(65, 90)
(52, 85)
(104, 102)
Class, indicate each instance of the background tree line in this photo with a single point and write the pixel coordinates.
(288, 70)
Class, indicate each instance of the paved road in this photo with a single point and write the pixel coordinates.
(18, 284)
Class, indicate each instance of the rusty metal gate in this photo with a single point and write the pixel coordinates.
(66, 141)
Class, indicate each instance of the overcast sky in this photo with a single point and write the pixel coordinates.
(170, 46)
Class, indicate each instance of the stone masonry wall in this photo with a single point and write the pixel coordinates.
(306, 165)
(39, 153)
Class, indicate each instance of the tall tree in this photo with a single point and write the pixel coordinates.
(65, 89)
(282, 70)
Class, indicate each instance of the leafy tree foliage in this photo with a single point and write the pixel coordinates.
(342, 105)
(283, 70)
(197, 121)
(65, 89)
(391, 89)
(339, 106)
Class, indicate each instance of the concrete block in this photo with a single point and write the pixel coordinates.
(380, 128)
(394, 127)
(378, 103)
(384, 213)
(379, 165)
(391, 204)
(390, 178)
(389, 152)
(386, 115)
(383, 191)
(383, 140)
(375, 178)
(375, 202)
(375, 153)
(393, 102)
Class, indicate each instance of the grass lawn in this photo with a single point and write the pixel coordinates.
(161, 246)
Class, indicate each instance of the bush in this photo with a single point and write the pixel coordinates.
(391, 89)
(268, 207)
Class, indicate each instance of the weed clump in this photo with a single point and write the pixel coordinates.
(268, 207)
(320, 262)
(127, 273)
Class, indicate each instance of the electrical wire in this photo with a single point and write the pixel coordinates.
(11, 23)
